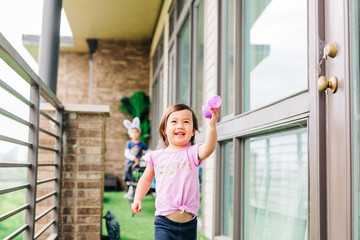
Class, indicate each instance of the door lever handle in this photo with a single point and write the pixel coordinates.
(323, 84)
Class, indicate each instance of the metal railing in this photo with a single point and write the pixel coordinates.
(51, 151)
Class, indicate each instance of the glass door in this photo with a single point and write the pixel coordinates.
(272, 148)
(276, 185)
(355, 90)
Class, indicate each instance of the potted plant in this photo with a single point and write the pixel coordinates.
(138, 105)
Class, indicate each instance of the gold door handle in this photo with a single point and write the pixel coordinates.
(330, 50)
(323, 84)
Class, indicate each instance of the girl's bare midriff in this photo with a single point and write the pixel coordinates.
(180, 217)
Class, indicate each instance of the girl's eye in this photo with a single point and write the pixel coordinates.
(173, 121)
(186, 122)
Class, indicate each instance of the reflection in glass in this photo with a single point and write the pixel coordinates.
(171, 81)
(157, 110)
(171, 22)
(180, 6)
(159, 53)
(275, 50)
(199, 61)
(227, 188)
(355, 73)
(228, 22)
(276, 186)
(183, 90)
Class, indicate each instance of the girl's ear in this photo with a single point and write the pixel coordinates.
(136, 122)
(127, 124)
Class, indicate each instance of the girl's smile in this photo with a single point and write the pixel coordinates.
(179, 129)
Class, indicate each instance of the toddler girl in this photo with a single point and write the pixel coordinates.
(176, 168)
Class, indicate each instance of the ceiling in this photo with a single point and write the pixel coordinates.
(111, 19)
(107, 19)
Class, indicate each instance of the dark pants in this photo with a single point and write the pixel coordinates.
(128, 172)
(166, 229)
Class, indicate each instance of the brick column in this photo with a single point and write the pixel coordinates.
(83, 172)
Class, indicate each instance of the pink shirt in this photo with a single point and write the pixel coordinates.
(177, 179)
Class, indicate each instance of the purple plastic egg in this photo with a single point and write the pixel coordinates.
(215, 102)
(206, 111)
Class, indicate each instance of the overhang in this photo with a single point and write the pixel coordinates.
(107, 19)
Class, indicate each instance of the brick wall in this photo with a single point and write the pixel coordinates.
(120, 68)
(83, 175)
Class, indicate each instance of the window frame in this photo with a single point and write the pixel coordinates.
(157, 85)
(237, 57)
(179, 21)
(188, 13)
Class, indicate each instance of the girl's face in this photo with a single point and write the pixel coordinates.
(179, 129)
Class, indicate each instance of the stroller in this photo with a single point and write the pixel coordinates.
(137, 171)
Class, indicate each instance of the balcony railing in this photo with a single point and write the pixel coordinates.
(42, 163)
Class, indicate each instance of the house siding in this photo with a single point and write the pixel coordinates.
(210, 90)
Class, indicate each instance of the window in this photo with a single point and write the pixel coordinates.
(186, 54)
(171, 77)
(227, 48)
(276, 186)
(158, 55)
(180, 53)
(180, 6)
(198, 63)
(172, 21)
(227, 188)
(183, 83)
(198, 77)
(156, 110)
(275, 51)
(262, 174)
(355, 75)
(186, 61)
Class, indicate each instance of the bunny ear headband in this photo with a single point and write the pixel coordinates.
(134, 124)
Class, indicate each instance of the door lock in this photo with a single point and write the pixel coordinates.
(330, 50)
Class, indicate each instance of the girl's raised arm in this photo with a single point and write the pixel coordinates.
(142, 188)
(206, 149)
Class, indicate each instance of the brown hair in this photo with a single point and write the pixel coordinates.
(175, 108)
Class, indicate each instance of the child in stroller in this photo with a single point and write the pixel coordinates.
(134, 150)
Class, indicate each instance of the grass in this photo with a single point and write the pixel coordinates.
(9, 202)
(140, 226)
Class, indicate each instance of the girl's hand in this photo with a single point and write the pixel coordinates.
(214, 117)
(136, 207)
